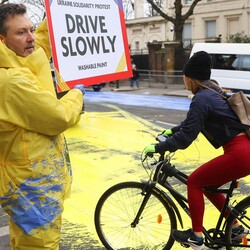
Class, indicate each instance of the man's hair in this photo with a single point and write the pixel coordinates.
(7, 10)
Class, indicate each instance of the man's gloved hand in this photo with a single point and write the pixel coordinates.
(167, 132)
(149, 150)
(80, 87)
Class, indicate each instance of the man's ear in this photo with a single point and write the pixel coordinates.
(2, 38)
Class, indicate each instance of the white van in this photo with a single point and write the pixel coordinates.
(230, 64)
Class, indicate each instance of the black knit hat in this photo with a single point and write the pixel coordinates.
(198, 66)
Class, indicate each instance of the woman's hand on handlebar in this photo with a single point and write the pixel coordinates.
(149, 150)
(167, 132)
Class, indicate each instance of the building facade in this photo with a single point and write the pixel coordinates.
(212, 21)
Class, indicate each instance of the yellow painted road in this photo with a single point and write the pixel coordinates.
(105, 149)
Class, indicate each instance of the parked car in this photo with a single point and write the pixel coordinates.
(99, 86)
(230, 64)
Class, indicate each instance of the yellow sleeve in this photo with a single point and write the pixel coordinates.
(31, 107)
(42, 38)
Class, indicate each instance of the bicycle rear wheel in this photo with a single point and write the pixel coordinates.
(241, 213)
(116, 210)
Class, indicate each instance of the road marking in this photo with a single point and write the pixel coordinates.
(167, 123)
(4, 231)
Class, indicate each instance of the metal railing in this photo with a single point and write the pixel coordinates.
(153, 76)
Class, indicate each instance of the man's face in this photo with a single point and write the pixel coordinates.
(19, 37)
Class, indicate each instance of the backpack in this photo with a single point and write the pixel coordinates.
(240, 104)
(241, 107)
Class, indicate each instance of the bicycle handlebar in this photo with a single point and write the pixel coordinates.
(161, 138)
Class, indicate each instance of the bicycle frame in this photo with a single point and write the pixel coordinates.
(163, 171)
(144, 213)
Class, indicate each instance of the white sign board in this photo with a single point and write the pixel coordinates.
(88, 40)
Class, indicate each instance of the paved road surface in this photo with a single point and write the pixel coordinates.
(105, 149)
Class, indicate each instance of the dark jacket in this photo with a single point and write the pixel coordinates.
(209, 114)
(136, 74)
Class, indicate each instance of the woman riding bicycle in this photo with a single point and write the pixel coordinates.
(210, 114)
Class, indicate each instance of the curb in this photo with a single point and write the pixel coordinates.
(178, 94)
(121, 90)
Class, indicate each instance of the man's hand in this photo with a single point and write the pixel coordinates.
(167, 132)
(149, 150)
(80, 87)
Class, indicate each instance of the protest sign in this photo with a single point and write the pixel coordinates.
(88, 41)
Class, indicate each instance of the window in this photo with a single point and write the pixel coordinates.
(187, 34)
(233, 25)
(149, 11)
(137, 45)
(210, 29)
(231, 62)
(225, 61)
(188, 1)
(246, 62)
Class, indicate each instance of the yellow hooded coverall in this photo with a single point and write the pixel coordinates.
(34, 177)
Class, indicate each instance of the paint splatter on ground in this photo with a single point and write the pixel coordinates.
(105, 149)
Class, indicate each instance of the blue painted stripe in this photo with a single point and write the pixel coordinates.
(161, 102)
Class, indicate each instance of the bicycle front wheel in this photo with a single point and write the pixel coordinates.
(117, 209)
(241, 213)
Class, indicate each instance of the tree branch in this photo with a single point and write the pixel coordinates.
(191, 10)
(158, 10)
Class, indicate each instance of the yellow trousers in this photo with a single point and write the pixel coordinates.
(39, 239)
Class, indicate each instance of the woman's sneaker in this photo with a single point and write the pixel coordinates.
(238, 233)
(188, 238)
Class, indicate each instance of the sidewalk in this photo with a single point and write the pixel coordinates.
(150, 89)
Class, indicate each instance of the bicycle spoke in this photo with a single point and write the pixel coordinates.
(119, 211)
(242, 215)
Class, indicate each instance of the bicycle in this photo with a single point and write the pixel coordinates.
(141, 215)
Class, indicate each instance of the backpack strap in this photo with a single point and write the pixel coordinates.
(227, 121)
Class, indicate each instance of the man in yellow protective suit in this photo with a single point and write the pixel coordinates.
(34, 176)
